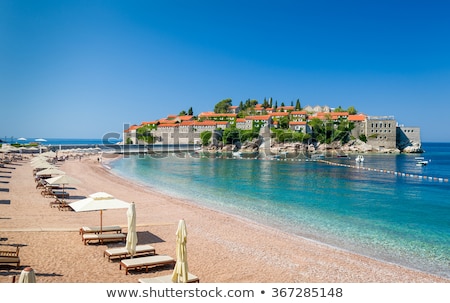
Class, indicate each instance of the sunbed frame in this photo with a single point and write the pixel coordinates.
(145, 262)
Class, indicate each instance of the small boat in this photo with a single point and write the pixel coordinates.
(420, 161)
(359, 159)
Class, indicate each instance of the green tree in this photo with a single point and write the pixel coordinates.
(248, 135)
(144, 134)
(190, 111)
(230, 136)
(205, 137)
(223, 106)
(352, 111)
(339, 109)
(284, 122)
(297, 105)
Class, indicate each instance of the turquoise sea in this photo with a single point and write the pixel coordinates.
(399, 215)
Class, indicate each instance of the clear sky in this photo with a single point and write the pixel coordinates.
(81, 69)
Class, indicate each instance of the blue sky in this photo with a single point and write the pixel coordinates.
(82, 69)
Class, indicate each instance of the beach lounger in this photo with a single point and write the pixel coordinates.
(122, 252)
(10, 257)
(145, 262)
(60, 194)
(102, 238)
(168, 279)
(96, 229)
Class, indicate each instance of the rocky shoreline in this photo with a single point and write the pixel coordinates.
(257, 147)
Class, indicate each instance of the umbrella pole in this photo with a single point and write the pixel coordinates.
(101, 220)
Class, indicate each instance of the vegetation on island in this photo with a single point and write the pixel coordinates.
(323, 131)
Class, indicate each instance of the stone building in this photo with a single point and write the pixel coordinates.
(381, 132)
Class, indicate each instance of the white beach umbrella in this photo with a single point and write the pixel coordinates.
(181, 271)
(40, 140)
(49, 154)
(132, 238)
(50, 172)
(43, 165)
(62, 180)
(98, 202)
(38, 160)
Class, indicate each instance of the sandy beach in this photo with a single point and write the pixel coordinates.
(221, 247)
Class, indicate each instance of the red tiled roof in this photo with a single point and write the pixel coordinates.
(187, 123)
(297, 123)
(132, 127)
(149, 122)
(262, 117)
(186, 117)
(299, 112)
(169, 125)
(359, 117)
(165, 121)
(205, 123)
(279, 114)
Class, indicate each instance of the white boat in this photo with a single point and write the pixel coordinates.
(420, 161)
(359, 159)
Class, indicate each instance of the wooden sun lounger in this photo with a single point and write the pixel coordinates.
(60, 194)
(102, 238)
(168, 279)
(96, 229)
(122, 252)
(141, 262)
(8, 257)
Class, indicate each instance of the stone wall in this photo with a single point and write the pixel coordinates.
(408, 138)
(381, 132)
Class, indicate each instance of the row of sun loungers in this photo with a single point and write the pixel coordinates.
(144, 258)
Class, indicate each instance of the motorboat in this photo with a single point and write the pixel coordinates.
(359, 159)
(420, 161)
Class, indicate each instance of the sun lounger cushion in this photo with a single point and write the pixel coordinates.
(96, 229)
(168, 279)
(137, 263)
(103, 238)
(122, 252)
(13, 260)
(7, 257)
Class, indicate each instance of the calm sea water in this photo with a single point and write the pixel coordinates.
(399, 219)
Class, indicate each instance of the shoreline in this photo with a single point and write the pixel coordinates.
(222, 248)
